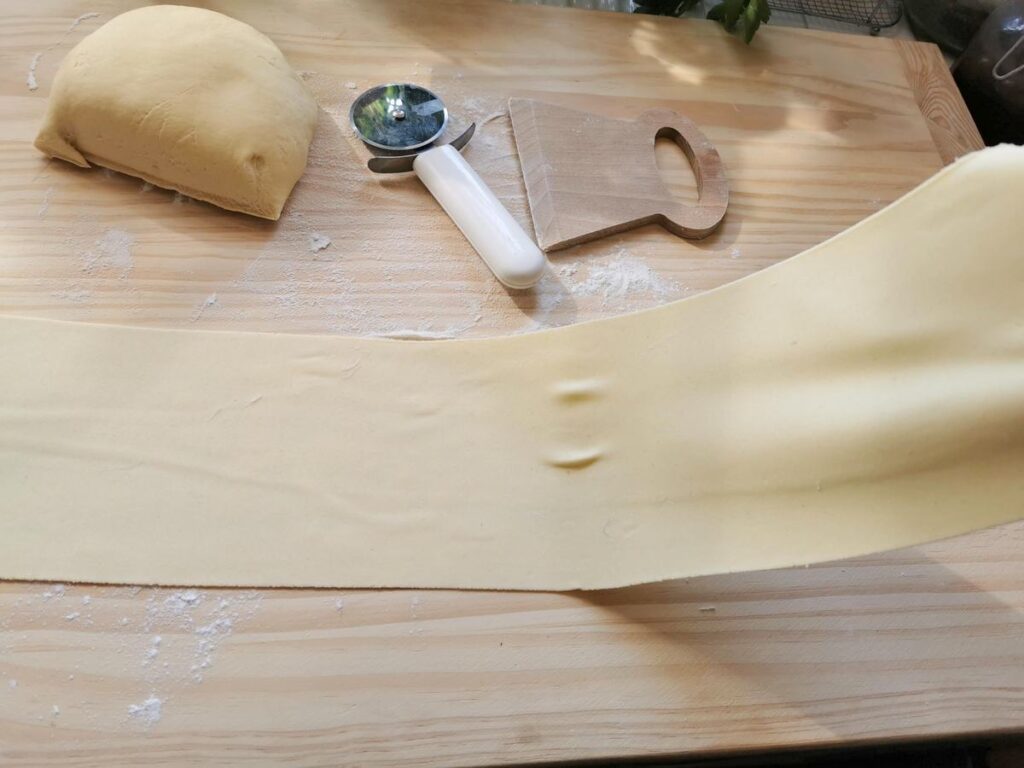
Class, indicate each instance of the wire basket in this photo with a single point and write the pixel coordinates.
(873, 14)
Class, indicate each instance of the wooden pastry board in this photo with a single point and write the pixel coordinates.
(817, 131)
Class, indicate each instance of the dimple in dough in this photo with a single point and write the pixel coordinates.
(187, 99)
(865, 395)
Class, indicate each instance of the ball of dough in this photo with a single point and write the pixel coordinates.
(187, 99)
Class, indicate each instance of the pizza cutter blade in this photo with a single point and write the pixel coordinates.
(401, 122)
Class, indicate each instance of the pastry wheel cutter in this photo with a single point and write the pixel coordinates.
(402, 122)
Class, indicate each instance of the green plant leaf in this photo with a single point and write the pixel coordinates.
(751, 20)
(752, 13)
(731, 13)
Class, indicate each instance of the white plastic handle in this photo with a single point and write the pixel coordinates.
(503, 245)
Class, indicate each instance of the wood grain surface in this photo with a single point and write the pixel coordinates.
(589, 176)
(951, 126)
(817, 131)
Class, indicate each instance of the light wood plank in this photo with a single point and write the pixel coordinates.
(816, 130)
(922, 642)
(951, 126)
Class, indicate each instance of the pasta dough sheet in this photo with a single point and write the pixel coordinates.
(865, 395)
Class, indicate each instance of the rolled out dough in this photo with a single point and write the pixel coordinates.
(864, 395)
(187, 99)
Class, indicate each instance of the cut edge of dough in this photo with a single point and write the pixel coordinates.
(53, 144)
(221, 202)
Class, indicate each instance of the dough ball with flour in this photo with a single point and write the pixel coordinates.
(187, 99)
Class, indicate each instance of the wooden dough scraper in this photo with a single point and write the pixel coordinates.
(588, 176)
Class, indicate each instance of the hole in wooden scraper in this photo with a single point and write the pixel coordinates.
(675, 170)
